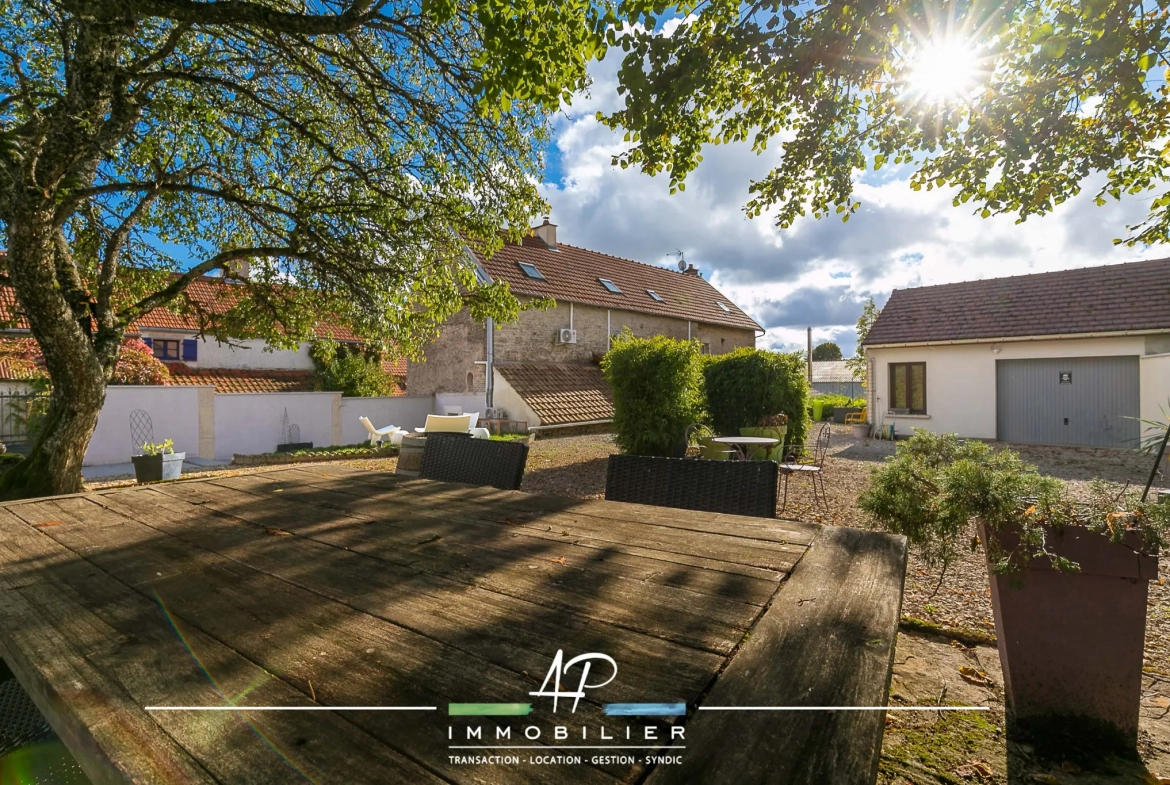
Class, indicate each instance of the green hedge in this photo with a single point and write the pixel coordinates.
(657, 392)
(747, 384)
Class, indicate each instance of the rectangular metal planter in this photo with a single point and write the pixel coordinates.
(1071, 642)
(152, 468)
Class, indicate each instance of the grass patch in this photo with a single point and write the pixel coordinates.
(937, 745)
(960, 634)
(511, 437)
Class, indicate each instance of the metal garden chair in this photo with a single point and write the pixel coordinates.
(811, 465)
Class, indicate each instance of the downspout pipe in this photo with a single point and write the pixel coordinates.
(489, 353)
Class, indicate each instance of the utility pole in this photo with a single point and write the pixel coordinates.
(810, 356)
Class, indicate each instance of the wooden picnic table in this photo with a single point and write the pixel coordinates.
(324, 587)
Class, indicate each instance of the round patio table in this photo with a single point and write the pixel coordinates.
(743, 443)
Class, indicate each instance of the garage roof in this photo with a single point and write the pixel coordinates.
(1115, 298)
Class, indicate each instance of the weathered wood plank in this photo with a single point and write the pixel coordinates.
(299, 637)
(522, 569)
(513, 633)
(776, 530)
(491, 505)
(827, 640)
(130, 642)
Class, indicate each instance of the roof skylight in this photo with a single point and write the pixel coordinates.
(723, 305)
(655, 296)
(610, 286)
(531, 271)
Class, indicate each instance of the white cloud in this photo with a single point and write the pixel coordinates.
(819, 272)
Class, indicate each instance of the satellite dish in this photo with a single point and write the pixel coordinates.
(682, 263)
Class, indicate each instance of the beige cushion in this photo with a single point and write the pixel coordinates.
(439, 423)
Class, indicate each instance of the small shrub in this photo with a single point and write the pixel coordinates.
(936, 484)
(353, 372)
(745, 385)
(657, 392)
(138, 365)
(162, 448)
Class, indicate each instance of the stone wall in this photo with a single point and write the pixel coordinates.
(449, 360)
(533, 339)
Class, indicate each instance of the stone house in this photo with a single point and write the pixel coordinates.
(543, 368)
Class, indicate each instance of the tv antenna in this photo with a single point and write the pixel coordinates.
(682, 262)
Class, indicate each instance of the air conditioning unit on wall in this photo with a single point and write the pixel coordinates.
(565, 335)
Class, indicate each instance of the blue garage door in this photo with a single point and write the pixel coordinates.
(1082, 400)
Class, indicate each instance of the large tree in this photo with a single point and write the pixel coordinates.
(1053, 92)
(344, 149)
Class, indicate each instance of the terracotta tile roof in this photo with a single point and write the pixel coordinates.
(561, 394)
(1113, 298)
(396, 368)
(832, 371)
(13, 369)
(211, 294)
(571, 274)
(234, 380)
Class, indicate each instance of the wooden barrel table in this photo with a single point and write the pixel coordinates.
(410, 455)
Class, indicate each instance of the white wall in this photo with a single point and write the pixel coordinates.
(174, 414)
(506, 398)
(249, 354)
(249, 423)
(404, 411)
(1155, 385)
(960, 379)
(206, 424)
(473, 402)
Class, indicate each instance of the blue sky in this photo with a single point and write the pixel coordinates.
(818, 273)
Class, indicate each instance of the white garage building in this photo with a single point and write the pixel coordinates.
(1071, 357)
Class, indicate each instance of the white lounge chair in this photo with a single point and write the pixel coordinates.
(378, 434)
(458, 423)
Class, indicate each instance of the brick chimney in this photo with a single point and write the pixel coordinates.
(691, 270)
(547, 232)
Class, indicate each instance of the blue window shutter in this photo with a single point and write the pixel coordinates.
(149, 342)
(190, 350)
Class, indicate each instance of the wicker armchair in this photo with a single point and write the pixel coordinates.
(450, 458)
(735, 487)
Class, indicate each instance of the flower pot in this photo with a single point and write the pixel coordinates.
(152, 468)
(1071, 642)
(861, 430)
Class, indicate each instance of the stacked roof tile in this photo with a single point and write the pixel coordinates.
(1110, 299)
(574, 274)
(238, 380)
(561, 394)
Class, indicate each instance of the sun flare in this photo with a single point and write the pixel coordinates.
(944, 71)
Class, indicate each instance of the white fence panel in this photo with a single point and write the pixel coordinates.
(174, 413)
(249, 423)
(404, 411)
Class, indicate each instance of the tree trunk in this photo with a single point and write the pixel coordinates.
(77, 374)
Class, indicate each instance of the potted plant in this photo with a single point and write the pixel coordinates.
(158, 462)
(1069, 579)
